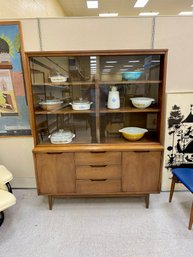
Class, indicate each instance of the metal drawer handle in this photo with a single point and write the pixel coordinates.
(102, 179)
(98, 152)
(54, 152)
(97, 166)
(142, 151)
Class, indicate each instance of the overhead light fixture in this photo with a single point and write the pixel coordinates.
(128, 66)
(92, 4)
(134, 61)
(140, 3)
(106, 70)
(111, 61)
(113, 14)
(123, 70)
(185, 13)
(148, 13)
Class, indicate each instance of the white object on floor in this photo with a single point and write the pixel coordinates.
(5, 175)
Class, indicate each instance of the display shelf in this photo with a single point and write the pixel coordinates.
(63, 84)
(66, 110)
(130, 109)
(127, 82)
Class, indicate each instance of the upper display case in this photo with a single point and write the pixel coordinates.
(89, 97)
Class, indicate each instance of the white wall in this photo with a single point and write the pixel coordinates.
(16, 155)
(96, 33)
(29, 8)
(173, 33)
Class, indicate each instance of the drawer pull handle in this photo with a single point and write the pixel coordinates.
(141, 151)
(98, 152)
(54, 152)
(97, 166)
(103, 179)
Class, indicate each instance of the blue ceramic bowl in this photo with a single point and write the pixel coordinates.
(131, 75)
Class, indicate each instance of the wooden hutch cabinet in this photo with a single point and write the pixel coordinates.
(97, 160)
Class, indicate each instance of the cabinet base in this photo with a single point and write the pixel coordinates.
(51, 198)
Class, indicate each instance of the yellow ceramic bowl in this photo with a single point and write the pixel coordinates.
(133, 133)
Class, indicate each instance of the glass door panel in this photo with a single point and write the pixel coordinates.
(129, 67)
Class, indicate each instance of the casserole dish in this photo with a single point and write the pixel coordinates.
(61, 137)
(81, 105)
(58, 77)
(50, 105)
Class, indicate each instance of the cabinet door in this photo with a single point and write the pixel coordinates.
(141, 172)
(55, 173)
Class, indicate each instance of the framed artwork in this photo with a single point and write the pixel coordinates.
(178, 133)
(14, 116)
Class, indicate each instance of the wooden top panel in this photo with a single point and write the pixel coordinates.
(98, 148)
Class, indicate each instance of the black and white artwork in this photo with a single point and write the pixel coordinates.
(180, 132)
(178, 139)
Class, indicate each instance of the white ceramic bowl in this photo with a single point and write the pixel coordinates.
(141, 102)
(133, 133)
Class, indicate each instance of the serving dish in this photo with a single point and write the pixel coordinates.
(61, 137)
(50, 105)
(81, 104)
(133, 133)
(142, 102)
(58, 77)
(131, 75)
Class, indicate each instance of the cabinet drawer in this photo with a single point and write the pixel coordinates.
(98, 172)
(100, 158)
(98, 186)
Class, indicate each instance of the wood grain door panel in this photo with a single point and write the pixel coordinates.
(141, 172)
(55, 173)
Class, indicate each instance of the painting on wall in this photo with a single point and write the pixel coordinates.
(14, 116)
(179, 132)
(7, 97)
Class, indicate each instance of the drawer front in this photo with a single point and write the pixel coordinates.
(98, 186)
(98, 172)
(100, 158)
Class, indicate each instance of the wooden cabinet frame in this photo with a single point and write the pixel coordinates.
(110, 167)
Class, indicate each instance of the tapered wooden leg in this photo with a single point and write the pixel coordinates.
(191, 218)
(174, 180)
(147, 201)
(50, 202)
(1, 217)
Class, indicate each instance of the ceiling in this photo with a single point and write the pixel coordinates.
(77, 8)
